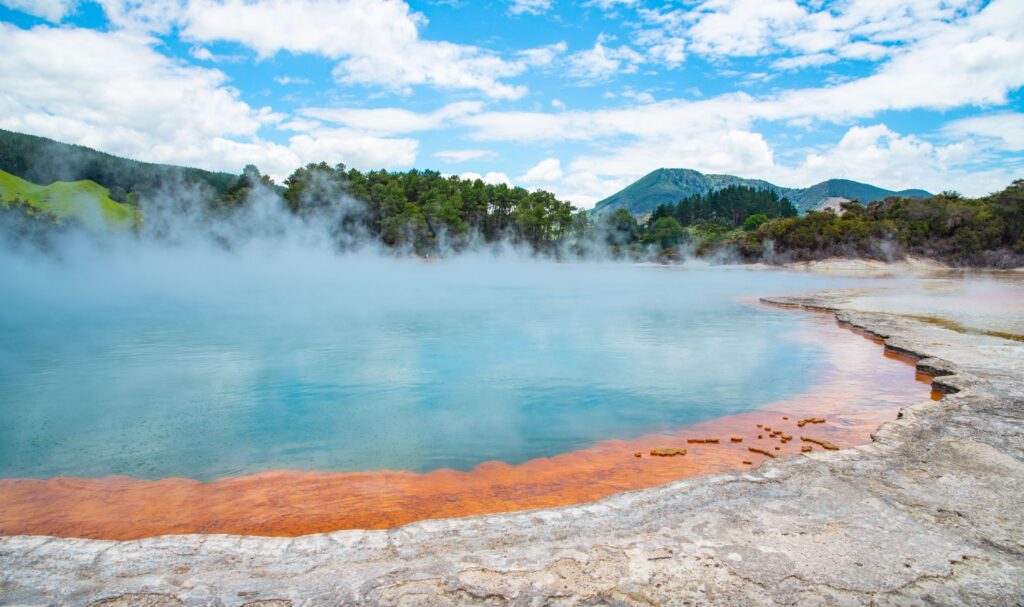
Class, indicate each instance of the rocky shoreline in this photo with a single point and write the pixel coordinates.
(929, 513)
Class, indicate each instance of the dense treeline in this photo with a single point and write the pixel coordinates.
(43, 161)
(421, 210)
(729, 206)
(986, 231)
(425, 212)
(697, 219)
(757, 226)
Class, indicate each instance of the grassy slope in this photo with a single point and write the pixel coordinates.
(86, 201)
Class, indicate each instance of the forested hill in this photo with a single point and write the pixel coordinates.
(428, 213)
(669, 186)
(44, 183)
(44, 161)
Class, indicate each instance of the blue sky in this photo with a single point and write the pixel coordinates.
(578, 97)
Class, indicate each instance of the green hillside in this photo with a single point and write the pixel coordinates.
(85, 201)
(806, 199)
(42, 160)
(668, 186)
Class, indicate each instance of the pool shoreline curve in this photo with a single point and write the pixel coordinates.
(927, 509)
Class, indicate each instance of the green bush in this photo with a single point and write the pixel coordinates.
(755, 221)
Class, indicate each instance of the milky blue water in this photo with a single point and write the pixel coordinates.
(207, 368)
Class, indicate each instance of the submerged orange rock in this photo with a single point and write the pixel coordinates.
(668, 452)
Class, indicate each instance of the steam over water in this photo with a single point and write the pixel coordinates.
(203, 363)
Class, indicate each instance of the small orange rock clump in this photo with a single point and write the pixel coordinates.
(669, 452)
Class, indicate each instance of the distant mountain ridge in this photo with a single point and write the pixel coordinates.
(672, 185)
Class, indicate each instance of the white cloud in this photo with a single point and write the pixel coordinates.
(978, 61)
(201, 53)
(286, 80)
(114, 83)
(666, 118)
(822, 32)
(492, 177)
(549, 169)
(530, 7)
(391, 121)
(871, 153)
(883, 157)
(558, 104)
(609, 5)
(975, 62)
(1004, 129)
(330, 28)
(741, 27)
(457, 156)
(666, 50)
(355, 149)
(114, 92)
(709, 151)
(584, 188)
(542, 55)
(51, 10)
(377, 42)
(802, 61)
(157, 16)
(640, 96)
(204, 54)
(438, 64)
(602, 62)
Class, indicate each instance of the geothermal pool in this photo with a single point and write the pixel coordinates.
(283, 396)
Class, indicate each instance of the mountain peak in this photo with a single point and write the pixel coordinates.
(667, 185)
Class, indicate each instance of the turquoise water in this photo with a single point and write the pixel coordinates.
(212, 367)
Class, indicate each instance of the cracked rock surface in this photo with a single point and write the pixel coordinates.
(930, 513)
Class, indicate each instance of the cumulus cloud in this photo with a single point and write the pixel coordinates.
(392, 120)
(542, 55)
(602, 62)
(879, 155)
(640, 96)
(457, 156)
(51, 10)
(530, 7)
(1004, 129)
(977, 61)
(610, 5)
(809, 34)
(114, 92)
(549, 169)
(493, 177)
(376, 42)
(114, 87)
(874, 153)
(287, 80)
(354, 148)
